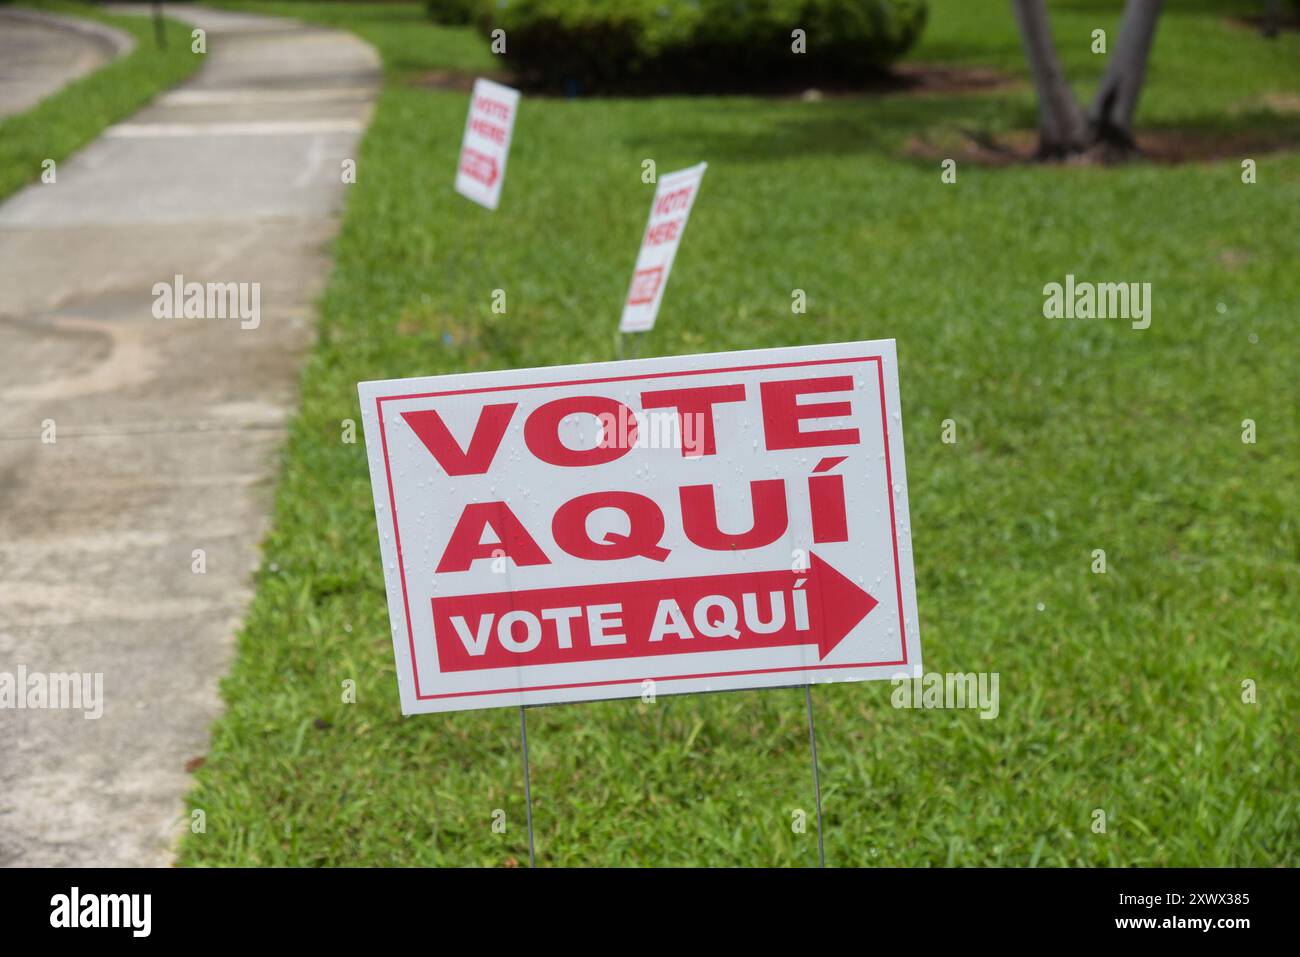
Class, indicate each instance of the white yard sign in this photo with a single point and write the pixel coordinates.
(696, 523)
(674, 197)
(486, 144)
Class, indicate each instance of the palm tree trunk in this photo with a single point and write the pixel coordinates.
(1110, 117)
(1061, 126)
(1271, 19)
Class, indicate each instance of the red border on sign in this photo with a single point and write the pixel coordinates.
(889, 484)
(641, 300)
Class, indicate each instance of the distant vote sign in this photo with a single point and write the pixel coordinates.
(483, 151)
(696, 523)
(674, 197)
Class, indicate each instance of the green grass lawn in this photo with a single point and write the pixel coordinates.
(69, 119)
(1120, 691)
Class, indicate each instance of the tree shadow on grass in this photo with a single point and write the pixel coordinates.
(986, 130)
(1247, 136)
(831, 127)
(1182, 8)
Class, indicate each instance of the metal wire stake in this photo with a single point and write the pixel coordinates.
(528, 794)
(817, 784)
(159, 31)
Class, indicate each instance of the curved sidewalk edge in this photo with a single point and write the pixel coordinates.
(43, 52)
(115, 42)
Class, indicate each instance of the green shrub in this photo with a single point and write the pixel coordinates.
(693, 44)
(454, 12)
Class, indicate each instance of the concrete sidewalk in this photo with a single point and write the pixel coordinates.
(41, 52)
(165, 429)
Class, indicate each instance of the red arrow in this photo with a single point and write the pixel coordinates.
(670, 616)
(479, 166)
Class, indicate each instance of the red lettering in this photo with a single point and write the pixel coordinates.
(488, 130)
(830, 521)
(483, 445)
(467, 545)
(492, 107)
(695, 402)
(645, 527)
(671, 202)
(700, 516)
(782, 413)
(542, 431)
(663, 233)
